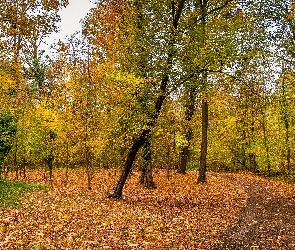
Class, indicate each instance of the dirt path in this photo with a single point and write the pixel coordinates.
(267, 221)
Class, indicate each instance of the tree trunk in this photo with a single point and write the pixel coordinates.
(266, 145)
(286, 124)
(146, 178)
(24, 163)
(189, 113)
(67, 163)
(89, 167)
(15, 161)
(253, 163)
(50, 165)
(203, 167)
(203, 157)
(117, 191)
(184, 155)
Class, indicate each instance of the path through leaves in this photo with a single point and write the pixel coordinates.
(266, 221)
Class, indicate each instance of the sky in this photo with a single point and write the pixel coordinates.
(70, 18)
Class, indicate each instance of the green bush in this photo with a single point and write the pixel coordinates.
(193, 165)
(7, 133)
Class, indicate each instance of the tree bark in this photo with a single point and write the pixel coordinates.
(184, 155)
(146, 178)
(15, 163)
(189, 113)
(204, 144)
(203, 157)
(266, 146)
(286, 125)
(118, 189)
(50, 164)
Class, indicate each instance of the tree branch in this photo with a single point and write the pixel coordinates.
(198, 19)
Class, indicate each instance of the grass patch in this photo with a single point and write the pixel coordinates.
(11, 192)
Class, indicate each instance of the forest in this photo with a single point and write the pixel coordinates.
(181, 100)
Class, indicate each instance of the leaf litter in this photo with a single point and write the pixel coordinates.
(179, 214)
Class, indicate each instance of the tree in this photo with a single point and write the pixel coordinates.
(7, 131)
(25, 23)
(170, 29)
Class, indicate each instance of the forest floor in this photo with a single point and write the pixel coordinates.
(230, 211)
(267, 219)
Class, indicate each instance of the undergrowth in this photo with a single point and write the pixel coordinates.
(11, 192)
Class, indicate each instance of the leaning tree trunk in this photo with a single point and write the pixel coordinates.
(146, 178)
(145, 133)
(118, 189)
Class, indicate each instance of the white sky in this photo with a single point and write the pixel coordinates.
(70, 18)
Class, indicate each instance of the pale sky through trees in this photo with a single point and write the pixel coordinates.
(70, 20)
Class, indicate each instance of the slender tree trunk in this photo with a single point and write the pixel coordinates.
(266, 145)
(243, 156)
(147, 179)
(168, 162)
(267, 149)
(24, 172)
(15, 163)
(1, 167)
(287, 139)
(204, 143)
(24, 163)
(50, 165)
(67, 163)
(89, 169)
(287, 125)
(45, 163)
(252, 156)
(203, 167)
